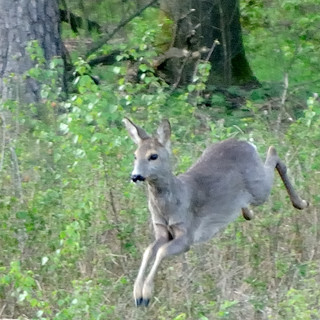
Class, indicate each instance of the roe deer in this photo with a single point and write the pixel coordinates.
(192, 207)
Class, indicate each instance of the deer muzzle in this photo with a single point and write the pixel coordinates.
(137, 177)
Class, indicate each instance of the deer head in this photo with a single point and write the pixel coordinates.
(152, 157)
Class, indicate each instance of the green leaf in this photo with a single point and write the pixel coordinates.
(113, 108)
(22, 296)
(181, 316)
(44, 260)
(191, 87)
(64, 128)
(116, 70)
(143, 67)
(22, 215)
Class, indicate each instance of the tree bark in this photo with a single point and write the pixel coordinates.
(198, 24)
(20, 22)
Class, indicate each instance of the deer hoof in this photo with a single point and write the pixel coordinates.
(302, 205)
(247, 214)
(142, 302)
(139, 302)
(146, 302)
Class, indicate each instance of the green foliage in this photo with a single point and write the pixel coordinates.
(146, 31)
(281, 37)
(301, 302)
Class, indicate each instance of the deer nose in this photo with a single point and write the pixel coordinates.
(137, 177)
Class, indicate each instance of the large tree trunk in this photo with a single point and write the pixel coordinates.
(20, 22)
(198, 24)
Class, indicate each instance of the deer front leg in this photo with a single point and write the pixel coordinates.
(162, 237)
(178, 245)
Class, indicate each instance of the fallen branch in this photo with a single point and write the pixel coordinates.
(105, 59)
(215, 43)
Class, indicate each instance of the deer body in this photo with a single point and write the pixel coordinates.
(195, 205)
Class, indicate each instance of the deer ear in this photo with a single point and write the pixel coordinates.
(136, 133)
(164, 133)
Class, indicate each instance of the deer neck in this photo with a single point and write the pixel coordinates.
(163, 185)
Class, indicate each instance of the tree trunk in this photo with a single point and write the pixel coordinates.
(198, 24)
(20, 22)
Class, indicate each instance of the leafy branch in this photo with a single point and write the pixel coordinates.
(124, 22)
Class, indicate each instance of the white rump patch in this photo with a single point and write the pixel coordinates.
(254, 146)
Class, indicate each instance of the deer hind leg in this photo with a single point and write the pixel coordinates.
(247, 213)
(274, 160)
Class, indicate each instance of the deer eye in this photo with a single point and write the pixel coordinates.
(153, 157)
